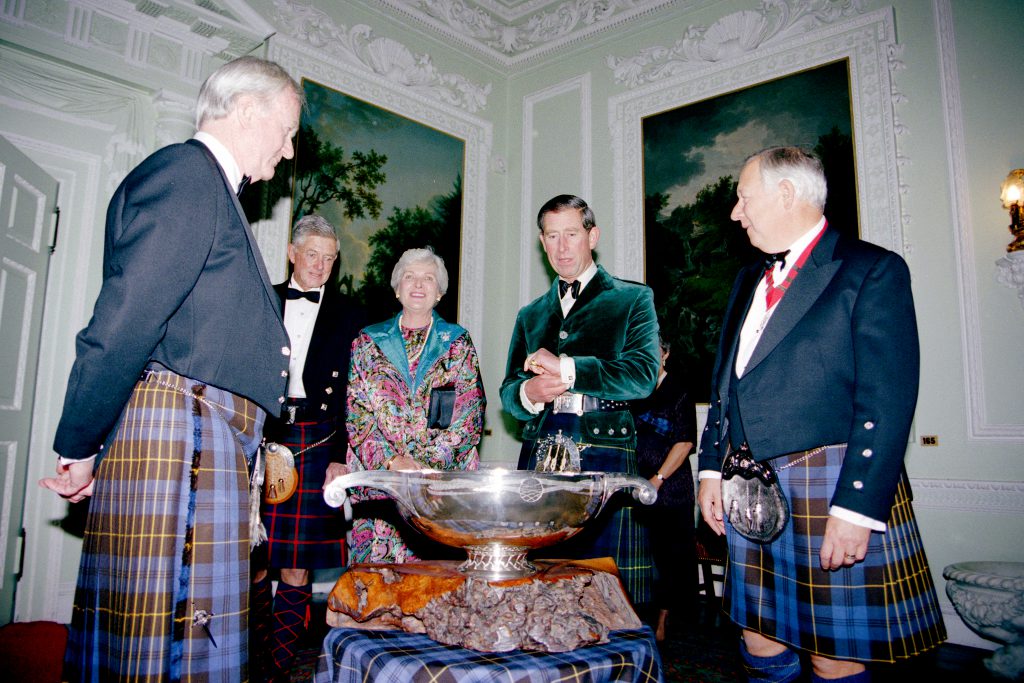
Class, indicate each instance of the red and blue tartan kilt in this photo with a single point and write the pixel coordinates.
(616, 531)
(879, 610)
(304, 532)
(167, 535)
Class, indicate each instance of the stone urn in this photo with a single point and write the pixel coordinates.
(989, 597)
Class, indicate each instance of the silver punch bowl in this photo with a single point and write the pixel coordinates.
(497, 516)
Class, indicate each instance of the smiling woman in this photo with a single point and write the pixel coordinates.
(415, 401)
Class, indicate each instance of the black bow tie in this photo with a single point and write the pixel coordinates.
(242, 185)
(313, 294)
(770, 259)
(574, 286)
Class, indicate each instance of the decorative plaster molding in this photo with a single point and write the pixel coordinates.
(510, 36)
(166, 37)
(1010, 272)
(527, 206)
(304, 59)
(731, 37)
(868, 44)
(982, 497)
(383, 56)
(978, 426)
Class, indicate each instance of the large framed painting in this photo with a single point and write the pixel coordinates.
(691, 117)
(392, 165)
(691, 161)
(386, 183)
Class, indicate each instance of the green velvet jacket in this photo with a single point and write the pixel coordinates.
(611, 332)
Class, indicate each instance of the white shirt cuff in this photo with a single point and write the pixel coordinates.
(709, 474)
(531, 407)
(68, 461)
(567, 367)
(856, 518)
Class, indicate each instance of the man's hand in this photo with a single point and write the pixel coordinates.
(709, 496)
(544, 388)
(845, 543)
(73, 481)
(542, 362)
(334, 470)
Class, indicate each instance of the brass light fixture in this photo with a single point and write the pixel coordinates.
(1012, 196)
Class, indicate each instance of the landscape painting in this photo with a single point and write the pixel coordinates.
(691, 159)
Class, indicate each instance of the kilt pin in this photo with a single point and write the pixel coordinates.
(168, 538)
(879, 610)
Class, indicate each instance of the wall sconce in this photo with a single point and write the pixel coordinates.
(1012, 194)
(1010, 268)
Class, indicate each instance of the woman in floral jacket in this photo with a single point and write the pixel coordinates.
(415, 401)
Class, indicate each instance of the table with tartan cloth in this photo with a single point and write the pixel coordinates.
(353, 655)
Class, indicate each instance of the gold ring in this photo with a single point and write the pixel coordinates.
(851, 557)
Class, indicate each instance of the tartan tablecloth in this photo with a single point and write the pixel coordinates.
(359, 656)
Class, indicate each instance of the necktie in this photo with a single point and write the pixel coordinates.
(574, 286)
(773, 294)
(313, 294)
(242, 185)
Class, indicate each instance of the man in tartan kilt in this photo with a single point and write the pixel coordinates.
(184, 356)
(816, 378)
(578, 355)
(304, 533)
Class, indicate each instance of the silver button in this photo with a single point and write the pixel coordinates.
(858, 485)
(625, 431)
(329, 391)
(285, 351)
(284, 373)
(323, 406)
(867, 452)
(280, 399)
(611, 431)
(869, 425)
(334, 374)
(563, 335)
(596, 430)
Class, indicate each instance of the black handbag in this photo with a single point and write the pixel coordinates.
(752, 498)
(442, 406)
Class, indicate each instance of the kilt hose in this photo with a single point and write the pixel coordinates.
(615, 532)
(879, 610)
(166, 545)
(304, 532)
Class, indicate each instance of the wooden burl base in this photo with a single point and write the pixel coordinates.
(565, 605)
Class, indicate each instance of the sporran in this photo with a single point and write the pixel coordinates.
(753, 500)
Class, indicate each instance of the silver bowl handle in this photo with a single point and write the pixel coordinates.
(642, 489)
(336, 492)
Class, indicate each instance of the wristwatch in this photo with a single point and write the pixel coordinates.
(660, 476)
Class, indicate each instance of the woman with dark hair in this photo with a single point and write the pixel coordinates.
(666, 430)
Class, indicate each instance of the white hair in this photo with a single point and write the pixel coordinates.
(426, 255)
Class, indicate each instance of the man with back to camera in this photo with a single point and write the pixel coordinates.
(304, 533)
(813, 393)
(185, 354)
(578, 355)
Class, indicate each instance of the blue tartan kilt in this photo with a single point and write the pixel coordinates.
(167, 540)
(879, 610)
(616, 531)
(304, 532)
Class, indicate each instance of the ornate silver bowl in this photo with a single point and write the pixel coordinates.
(497, 516)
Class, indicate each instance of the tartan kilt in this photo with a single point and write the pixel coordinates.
(615, 532)
(167, 535)
(879, 610)
(304, 532)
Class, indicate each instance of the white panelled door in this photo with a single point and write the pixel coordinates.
(28, 199)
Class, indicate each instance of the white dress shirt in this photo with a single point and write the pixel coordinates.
(299, 320)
